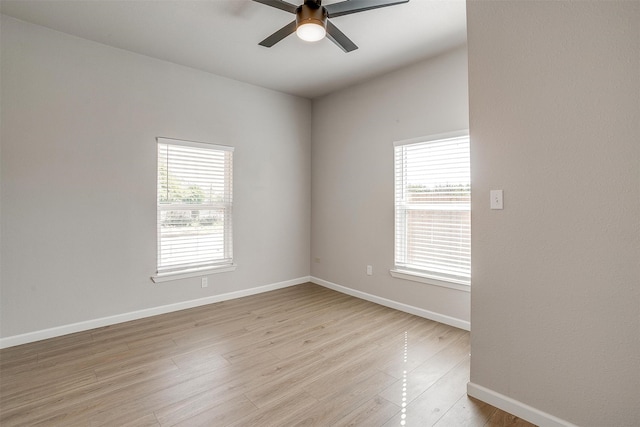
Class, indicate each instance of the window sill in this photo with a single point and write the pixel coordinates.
(425, 278)
(185, 274)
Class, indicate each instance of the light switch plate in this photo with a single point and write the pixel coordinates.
(496, 199)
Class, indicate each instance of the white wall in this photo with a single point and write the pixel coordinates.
(555, 121)
(78, 129)
(353, 132)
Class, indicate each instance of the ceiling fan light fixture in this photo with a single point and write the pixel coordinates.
(311, 21)
(311, 31)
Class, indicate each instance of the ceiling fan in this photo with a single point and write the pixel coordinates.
(312, 19)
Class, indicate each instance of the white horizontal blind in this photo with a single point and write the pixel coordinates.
(433, 208)
(194, 205)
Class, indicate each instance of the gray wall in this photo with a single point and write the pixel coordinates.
(554, 117)
(78, 129)
(353, 132)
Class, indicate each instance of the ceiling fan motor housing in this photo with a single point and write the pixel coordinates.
(311, 13)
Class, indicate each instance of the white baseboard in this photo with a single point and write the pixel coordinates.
(515, 407)
(442, 318)
(134, 315)
(154, 311)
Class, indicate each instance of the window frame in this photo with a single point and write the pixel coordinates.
(406, 271)
(211, 267)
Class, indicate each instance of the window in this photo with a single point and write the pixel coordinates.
(194, 208)
(433, 210)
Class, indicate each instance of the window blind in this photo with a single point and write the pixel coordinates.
(433, 208)
(194, 205)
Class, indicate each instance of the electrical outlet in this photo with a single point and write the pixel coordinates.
(369, 270)
(204, 282)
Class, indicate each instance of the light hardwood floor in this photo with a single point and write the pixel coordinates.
(303, 355)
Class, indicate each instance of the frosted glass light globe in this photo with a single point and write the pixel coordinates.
(311, 32)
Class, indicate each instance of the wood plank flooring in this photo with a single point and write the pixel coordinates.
(304, 355)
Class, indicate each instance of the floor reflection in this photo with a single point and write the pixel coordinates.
(403, 417)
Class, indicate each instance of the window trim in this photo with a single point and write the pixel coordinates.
(195, 272)
(184, 273)
(416, 275)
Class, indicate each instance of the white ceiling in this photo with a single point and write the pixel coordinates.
(222, 36)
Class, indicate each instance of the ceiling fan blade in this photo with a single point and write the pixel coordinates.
(279, 35)
(279, 4)
(354, 6)
(338, 37)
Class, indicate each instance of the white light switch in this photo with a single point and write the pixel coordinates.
(496, 199)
